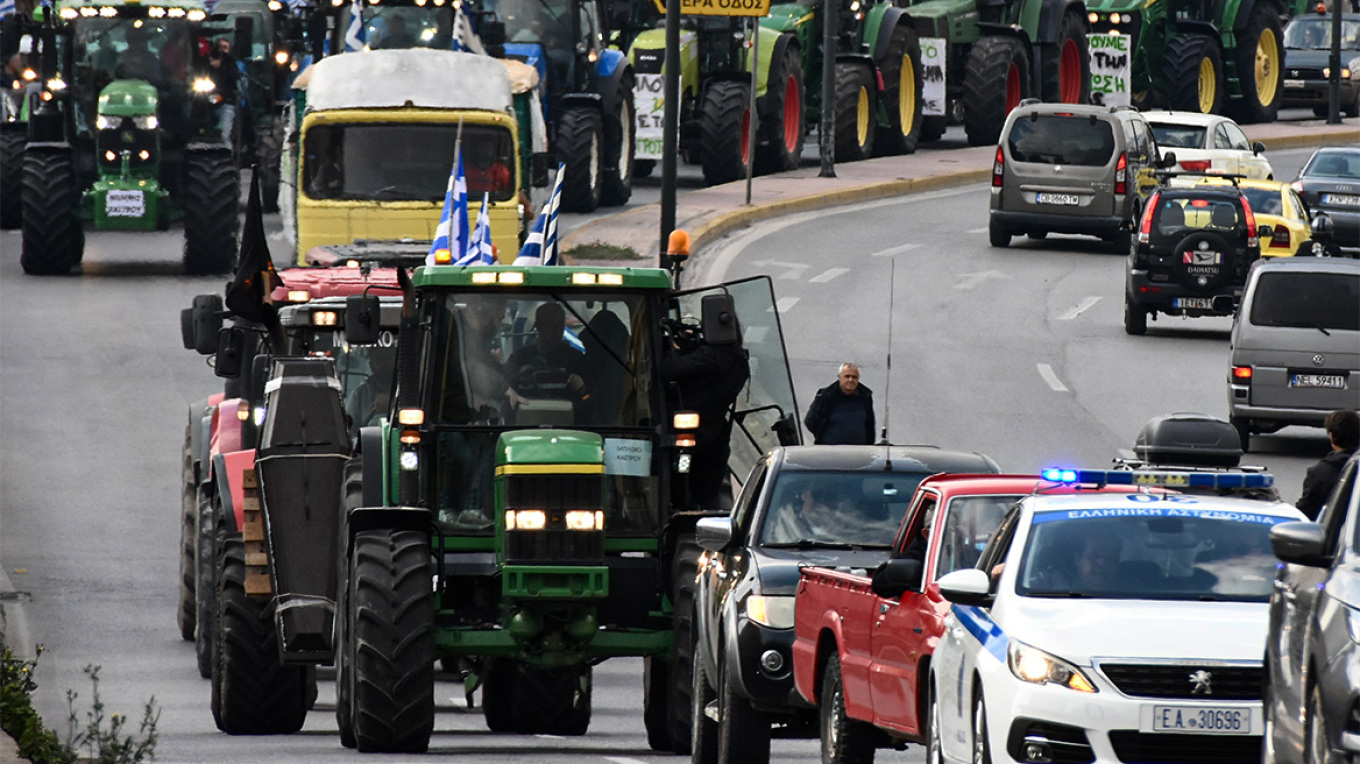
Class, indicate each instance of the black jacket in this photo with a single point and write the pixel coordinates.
(1318, 484)
(819, 413)
(707, 379)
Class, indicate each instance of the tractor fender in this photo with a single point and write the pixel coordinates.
(371, 446)
(987, 28)
(1245, 9)
(226, 429)
(881, 22)
(781, 45)
(610, 71)
(593, 100)
(1051, 15)
(228, 469)
(394, 518)
(865, 59)
(1206, 28)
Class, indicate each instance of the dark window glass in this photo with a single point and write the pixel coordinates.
(405, 161)
(1178, 136)
(837, 508)
(1061, 140)
(1326, 300)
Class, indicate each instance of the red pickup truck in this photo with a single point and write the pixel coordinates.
(863, 644)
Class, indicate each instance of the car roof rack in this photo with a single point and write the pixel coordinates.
(1165, 175)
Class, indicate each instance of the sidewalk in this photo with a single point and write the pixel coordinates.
(709, 214)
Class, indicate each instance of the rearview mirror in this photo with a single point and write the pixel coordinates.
(895, 576)
(713, 533)
(1301, 543)
(231, 349)
(967, 587)
(363, 321)
(200, 324)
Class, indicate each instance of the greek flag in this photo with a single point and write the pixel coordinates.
(463, 36)
(541, 248)
(480, 251)
(451, 237)
(7, 7)
(356, 37)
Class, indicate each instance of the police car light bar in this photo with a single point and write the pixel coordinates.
(1160, 478)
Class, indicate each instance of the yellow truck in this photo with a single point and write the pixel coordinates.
(371, 156)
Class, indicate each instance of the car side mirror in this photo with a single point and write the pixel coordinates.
(895, 576)
(363, 320)
(231, 350)
(1265, 230)
(713, 533)
(539, 165)
(1257, 147)
(1168, 160)
(1301, 543)
(967, 587)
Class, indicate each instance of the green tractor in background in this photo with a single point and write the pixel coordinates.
(123, 134)
(1207, 57)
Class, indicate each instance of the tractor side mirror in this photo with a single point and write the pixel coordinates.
(363, 321)
(539, 164)
(200, 324)
(1257, 147)
(244, 42)
(231, 350)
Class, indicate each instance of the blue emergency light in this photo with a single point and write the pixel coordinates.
(1161, 478)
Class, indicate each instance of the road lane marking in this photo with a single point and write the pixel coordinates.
(828, 275)
(971, 280)
(896, 250)
(1051, 378)
(976, 230)
(624, 760)
(791, 270)
(754, 335)
(784, 303)
(1078, 309)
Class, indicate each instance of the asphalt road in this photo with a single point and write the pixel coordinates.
(1017, 353)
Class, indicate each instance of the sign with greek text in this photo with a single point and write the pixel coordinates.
(125, 204)
(650, 100)
(627, 456)
(1111, 69)
(933, 54)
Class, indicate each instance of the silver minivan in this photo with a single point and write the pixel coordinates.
(1295, 349)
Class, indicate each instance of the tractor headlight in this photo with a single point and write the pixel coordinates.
(281, 57)
(204, 85)
(585, 520)
(149, 122)
(103, 123)
(410, 461)
(775, 612)
(56, 84)
(525, 519)
(1033, 665)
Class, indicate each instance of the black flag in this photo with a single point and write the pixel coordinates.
(248, 294)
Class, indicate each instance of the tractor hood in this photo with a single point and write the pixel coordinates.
(128, 98)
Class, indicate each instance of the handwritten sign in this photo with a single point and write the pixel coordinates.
(649, 95)
(933, 98)
(627, 456)
(125, 204)
(1111, 69)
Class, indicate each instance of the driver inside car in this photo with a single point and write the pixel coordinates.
(550, 367)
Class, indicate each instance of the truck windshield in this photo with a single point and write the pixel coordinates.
(1053, 139)
(405, 161)
(1324, 300)
(837, 508)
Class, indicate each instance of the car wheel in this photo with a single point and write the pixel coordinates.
(1135, 318)
(934, 740)
(982, 752)
(1316, 741)
(998, 235)
(1243, 427)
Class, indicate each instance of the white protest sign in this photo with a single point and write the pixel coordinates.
(933, 53)
(1111, 69)
(627, 456)
(125, 204)
(650, 100)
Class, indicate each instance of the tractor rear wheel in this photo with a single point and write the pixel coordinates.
(391, 624)
(269, 153)
(782, 125)
(856, 107)
(994, 82)
(580, 147)
(1066, 63)
(901, 69)
(353, 498)
(253, 693)
(210, 199)
(1193, 71)
(619, 147)
(11, 178)
(186, 616)
(1260, 66)
(53, 238)
(724, 132)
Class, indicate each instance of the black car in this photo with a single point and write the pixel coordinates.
(1191, 254)
(1312, 692)
(1330, 183)
(832, 506)
(1307, 58)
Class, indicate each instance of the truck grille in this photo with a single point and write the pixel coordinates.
(555, 495)
(1174, 681)
(1137, 747)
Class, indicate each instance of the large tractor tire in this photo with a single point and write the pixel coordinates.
(1193, 71)
(932, 128)
(580, 146)
(901, 70)
(391, 612)
(253, 694)
(11, 178)
(53, 238)
(205, 583)
(783, 126)
(856, 107)
(724, 132)
(619, 146)
(537, 700)
(995, 81)
(1067, 63)
(1260, 67)
(668, 687)
(186, 615)
(353, 498)
(269, 155)
(211, 197)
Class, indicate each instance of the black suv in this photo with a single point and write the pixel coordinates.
(1191, 254)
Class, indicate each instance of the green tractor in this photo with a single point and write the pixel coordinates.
(1210, 58)
(123, 134)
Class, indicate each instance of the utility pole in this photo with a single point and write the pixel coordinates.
(826, 129)
(670, 122)
(1334, 76)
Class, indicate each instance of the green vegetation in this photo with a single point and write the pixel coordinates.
(600, 251)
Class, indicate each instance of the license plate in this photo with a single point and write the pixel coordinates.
(1202, 303)
(1328, 381)
(1293, 83)
(125, 204)
(1201, 721)
(1071, 199)
(1342, 200)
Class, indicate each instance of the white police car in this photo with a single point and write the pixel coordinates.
(1111, 628)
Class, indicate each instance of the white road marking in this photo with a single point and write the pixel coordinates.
(791, 270)
(896, 250)
(1078, 309)
(1051, 378)
(828, 275)
(971, 280)
(624, 760)
(754, 335)
(549, 737)
(976, 230)
(784, 303)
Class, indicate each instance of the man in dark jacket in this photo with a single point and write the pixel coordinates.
(1343, 427)
(842, 413)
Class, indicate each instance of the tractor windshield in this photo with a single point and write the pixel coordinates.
(580, 361)
(155, 50)
(365, 371)
(390, 27)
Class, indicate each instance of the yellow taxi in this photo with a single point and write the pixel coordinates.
(1279, 206)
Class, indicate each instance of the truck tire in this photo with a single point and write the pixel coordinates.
(844, 740)
(53, 238)
(1193, 71)
(785, 115)
(724, 132)
(901, 70)
(269, 153)
(856, 108)
(186, 615)
(1260, 66)
(668, 687)
(1067, 63)
(703, 730)
(743, 732)
(210, 198)
(994, 82)
(391, 614)
(619, 145)
(255, 694)
(11, 178)
(580, 147)
(205, 585)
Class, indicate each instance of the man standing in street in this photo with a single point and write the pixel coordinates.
(1343, 427)
(842, 413)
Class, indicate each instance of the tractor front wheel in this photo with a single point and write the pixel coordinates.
(994, 82)
(53, 238)
(580, 147)
(211, 196)
(856, 107)
(186, 616)
(901, 69)
(11, 178)
(1193, 70)
(724, 132)
(784, 114)
(1260, 66)
(619, 143)
(668, 687)
(1066, 64)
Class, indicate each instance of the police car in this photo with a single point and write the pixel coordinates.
(1112, 627)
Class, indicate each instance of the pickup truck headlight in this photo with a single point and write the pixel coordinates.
(775, 612)
(1030, 664)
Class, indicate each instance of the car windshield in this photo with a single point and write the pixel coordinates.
(405, 161)
(1149, 552)
(1055, 139)
(1178, 136)
(1327, 300)
(837, 508)
(1333, 164)
(1315, 33)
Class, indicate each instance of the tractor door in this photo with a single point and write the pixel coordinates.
(766, 413)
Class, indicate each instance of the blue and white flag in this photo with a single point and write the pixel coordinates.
(451, 237)
(480, 251)
(463, 36)
(541, 248)
(7, 7)
(356, 36)
(532, 251)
